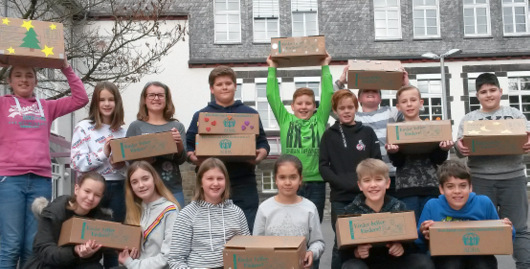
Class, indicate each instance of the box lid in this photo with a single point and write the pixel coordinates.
(373, 65)
(467, 224)
(269, 242)
(495, 127)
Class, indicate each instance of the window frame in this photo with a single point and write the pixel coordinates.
(519, 93)
(424, 8)
(513, 6)
(226, 13)
(307, 10)
(386, 9)
(266, 20)
(257, 99)
(475, 6)
(270, 175)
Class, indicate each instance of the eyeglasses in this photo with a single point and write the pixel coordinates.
(152, 96)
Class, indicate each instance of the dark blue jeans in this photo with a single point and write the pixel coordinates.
(245, 196)
(114, 198)
(465, 262)
(337, 209)
(17, 223)
(315, 191)
(408, 261)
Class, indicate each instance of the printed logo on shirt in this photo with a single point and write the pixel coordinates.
(497, 118)
(298, 144)
(100, 140)
(30, 116)
(361, 146)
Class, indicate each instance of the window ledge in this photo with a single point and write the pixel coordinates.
(516, 35)
(478, 37)
(426, 38)
(388, 39)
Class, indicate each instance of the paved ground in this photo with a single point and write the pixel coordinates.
(505, 261)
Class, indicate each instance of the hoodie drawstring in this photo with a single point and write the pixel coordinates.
(41, 111)
(343, 136)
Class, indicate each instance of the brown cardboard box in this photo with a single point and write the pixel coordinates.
(232, 147)
(484, 237)
(418, 136)
(228, 123)
(375, 75)
(374, 228)
(31, 43)
(142, 146)
(298, 51)
(273, 252)
(495, 137)
(108, 233)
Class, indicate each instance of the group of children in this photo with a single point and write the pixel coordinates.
(348, 155)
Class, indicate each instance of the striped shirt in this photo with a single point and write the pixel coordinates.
(378, 120)
(200, 232)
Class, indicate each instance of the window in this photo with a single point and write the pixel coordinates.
(266, 20)
(426, 16)
(474, 104)
(519, 91)
(305, 22)
(431, 93)
(262, 106)
(267, 182)
(477, 18)
(227, 21)
(514, 16)
(312, 83)
(388, 98)
(387, 19)
(239, 87)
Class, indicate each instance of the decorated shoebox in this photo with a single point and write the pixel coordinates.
(267, 252)
(226, 147)
(31, 43)
(298, 51)
(108, 233)
(375, 75)
(228, 123)
(484, 237)
(375, 228)
(495, 137)
(142, 146)
(418, 136)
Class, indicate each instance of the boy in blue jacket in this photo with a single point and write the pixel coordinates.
(243, 190)
(457, 203)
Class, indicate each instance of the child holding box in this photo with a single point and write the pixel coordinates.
(300, 132)
(244, 193)
(416, 181)
(457, 203)
(288, 214)
(373, 182)
(501, 178)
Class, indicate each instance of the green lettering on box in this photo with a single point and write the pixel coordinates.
(280, 47)
(235, 261)
(397, 132)
(122, 151)
(472, 145)
(351, 230)
(83, 230)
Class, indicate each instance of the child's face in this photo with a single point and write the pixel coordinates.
(489, 97)
(106, 104)
(374, 187)
(370, 98)
(288, 180)
(223, 90)
(23, 81)
(303, 107)
(88, 194)
(213, 185)
(155, 99)
(346, 111)
(143, 185)
(409, 103)
(456, 191)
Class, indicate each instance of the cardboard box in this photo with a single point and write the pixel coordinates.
(228, 123)
(108, 233)
(298, 51)
(142, 146)
(286, 252)
(418, 136)
(375, 75)
(495, 137)
(375, 228)
(31, 43)
(485, 237)
(227, 147)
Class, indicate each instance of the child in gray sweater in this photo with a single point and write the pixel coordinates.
(288, 214)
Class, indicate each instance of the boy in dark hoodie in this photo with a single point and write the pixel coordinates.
(244, 192)
(343, 146)
(373, 182)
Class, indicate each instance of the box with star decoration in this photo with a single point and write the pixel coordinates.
(31, 43)
(495, 137)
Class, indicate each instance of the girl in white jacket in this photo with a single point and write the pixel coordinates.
(205, 225)
(149, 204)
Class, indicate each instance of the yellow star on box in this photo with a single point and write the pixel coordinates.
(6, 21)
(27, 25)
(47, 50)
(11, 50)
(53, 26)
